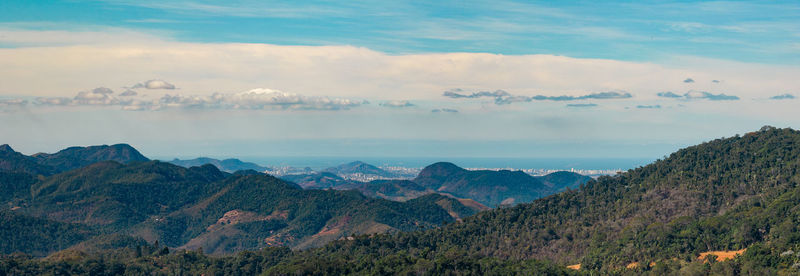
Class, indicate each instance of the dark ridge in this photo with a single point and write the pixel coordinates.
(76, 157)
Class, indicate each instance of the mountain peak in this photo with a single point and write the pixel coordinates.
(228, 165)
(76, 157)
(6, 148)
(440, 169)
(358, 167)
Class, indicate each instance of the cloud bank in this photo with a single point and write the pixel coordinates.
(782, 97)
(668, 95)
(397, 104)
(699, 95)
(128, 93)
(154, 84)
(444, 110)
(13, 103)
(357, 72)
(502, 97)
(582, 105)
(255, 99)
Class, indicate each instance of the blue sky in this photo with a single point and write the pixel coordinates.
(517, 79)
(764, 32)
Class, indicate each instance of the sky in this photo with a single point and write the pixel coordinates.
(554, 79)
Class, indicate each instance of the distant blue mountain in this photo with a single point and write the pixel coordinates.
(359, 167)
(227, 165)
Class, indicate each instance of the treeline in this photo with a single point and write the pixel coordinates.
(152, 260)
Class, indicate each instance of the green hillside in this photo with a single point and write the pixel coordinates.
(227, 165)
(37, 237)
(494, 188)
(13, 161)
(203, 207)
(397, 190)
(259, 210)
(119, 196)
(735, 194)
(727, 194)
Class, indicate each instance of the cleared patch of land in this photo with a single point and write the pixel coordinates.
(722, 255)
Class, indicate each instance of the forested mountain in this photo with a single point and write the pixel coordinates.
(397, 190)
(119, 196)
(727, 194)
(319, 180)
(490, 188)
(65, 160)
(228, 165)
(560, 181)
(258, 210)
(736, 194)
(36, 236)
(12, 161)
(76, 157)
(358, 167)
(199, 207)
(493, 188)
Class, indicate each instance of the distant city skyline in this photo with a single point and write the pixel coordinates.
(511, 79)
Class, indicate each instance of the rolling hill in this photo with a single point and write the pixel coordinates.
(203, 207)
(67, 159)
(37, 236)
(490, 188)
(77, 157)
(723, 197)
(228, 165)
(358, 167)
(494, 188)
(13, 161)
(320, 180)
(397, 190)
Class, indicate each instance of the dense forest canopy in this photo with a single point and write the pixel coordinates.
(733, 194)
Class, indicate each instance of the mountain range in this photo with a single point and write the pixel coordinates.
(191, 207)
(358, 167)
(67, 159)
(495, 188)
(725, 207)
(227, 165)
(680, 215)
(487, 187)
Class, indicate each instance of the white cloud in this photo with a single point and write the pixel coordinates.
(98, 96)
(696, 95)
(154, 84)
(53, 101)
(10, 105)
(255, 99)
(692, 95)
(351, 72)
(397, 104)
(503, 97)
(8, 102)
(128, 93)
